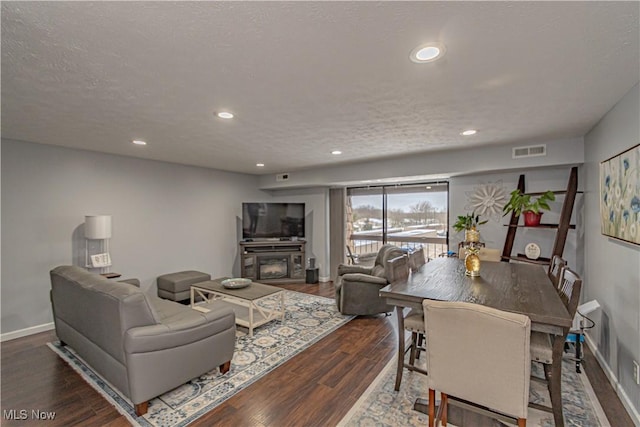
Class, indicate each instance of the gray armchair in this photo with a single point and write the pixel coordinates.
(358, 287)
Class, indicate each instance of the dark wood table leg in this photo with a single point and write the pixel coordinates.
(400, 316)
(555, 389)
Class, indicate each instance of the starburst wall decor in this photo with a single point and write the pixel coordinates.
(487, 200)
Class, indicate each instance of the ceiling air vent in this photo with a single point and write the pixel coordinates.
(530, 151)
(282, 177)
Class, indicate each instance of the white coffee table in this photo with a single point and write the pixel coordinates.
(245, 302)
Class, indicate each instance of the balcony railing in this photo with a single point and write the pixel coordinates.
(367, 245)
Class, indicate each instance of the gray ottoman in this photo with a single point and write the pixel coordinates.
(177, 286)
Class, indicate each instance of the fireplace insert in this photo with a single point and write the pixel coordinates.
(273, 267)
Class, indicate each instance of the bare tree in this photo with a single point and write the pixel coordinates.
(422, 212)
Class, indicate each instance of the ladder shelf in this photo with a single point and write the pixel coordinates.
(563, 226)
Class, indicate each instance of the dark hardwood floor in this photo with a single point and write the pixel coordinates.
(315, 388)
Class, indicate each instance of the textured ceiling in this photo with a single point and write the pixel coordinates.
(305, 78)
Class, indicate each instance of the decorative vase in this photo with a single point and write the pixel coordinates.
(532, 219)
(472, 262)
(471, 235)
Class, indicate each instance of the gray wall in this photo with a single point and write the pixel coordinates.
(166, 218)
(316, 223)
(479, 160)
(494, 232)
(612, 273)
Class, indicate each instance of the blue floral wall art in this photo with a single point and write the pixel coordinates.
(620, 196)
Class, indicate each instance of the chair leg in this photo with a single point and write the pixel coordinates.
(444, 402)
(414, 346)
(224, 368)
(522, 422)
(399, 369)
(578, 351)
(432, 407)
(420, 345)
(141, 408)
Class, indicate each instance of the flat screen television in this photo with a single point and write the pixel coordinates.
(272, 220)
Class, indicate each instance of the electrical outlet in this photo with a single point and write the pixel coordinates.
(636, 372)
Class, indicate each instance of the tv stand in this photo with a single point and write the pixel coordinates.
(273, 261)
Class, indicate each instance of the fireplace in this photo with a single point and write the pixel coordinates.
(273, 261)
(273, 267)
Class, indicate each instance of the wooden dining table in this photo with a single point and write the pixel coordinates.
(514, 287)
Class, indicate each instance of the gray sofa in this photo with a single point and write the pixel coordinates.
(141, 344)
(358, 287)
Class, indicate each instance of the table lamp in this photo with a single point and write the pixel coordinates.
(98, 227)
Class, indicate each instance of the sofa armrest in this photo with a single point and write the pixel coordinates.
(179, 330)
(350, 269)
(364, 278)
(134, 282)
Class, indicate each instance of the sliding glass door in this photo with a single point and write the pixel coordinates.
(407, 216)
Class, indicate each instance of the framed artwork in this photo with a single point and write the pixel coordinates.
(620, 196)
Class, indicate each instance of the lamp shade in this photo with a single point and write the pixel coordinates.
(97, 226)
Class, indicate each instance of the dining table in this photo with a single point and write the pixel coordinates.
(509, 286)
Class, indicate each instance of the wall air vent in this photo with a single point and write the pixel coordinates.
(282, 177)
(529, 151)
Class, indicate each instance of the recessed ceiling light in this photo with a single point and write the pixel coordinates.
(139, 142)
(427, 52)
(336, 152)
(260, 165)
(469, 132)
(225, 115)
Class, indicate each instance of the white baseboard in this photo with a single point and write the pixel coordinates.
(325, 279)
(624, 398)
(27, 331)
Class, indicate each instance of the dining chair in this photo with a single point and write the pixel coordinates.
(555, 267)
(414, 321)
(399, 271)
(569, 288)
(417, 259)
(478, 358)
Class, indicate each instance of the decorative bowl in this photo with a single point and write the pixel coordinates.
(236, 283)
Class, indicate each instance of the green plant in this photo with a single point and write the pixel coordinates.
(468, 222)
(521, 202)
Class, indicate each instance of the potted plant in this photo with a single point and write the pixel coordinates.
(528, 205)
(469, 223)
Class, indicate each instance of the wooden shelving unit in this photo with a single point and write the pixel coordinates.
(563, 226)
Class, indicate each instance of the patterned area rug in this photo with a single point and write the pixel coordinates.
(382, 406)
(308, 318)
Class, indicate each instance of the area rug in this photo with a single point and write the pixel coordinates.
(308, 318)
(382, 406)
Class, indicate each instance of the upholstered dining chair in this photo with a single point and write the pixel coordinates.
(555, 267)
(478, 355)
(417, 259)
(414, 323)
(569, 288)
(398, 269)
